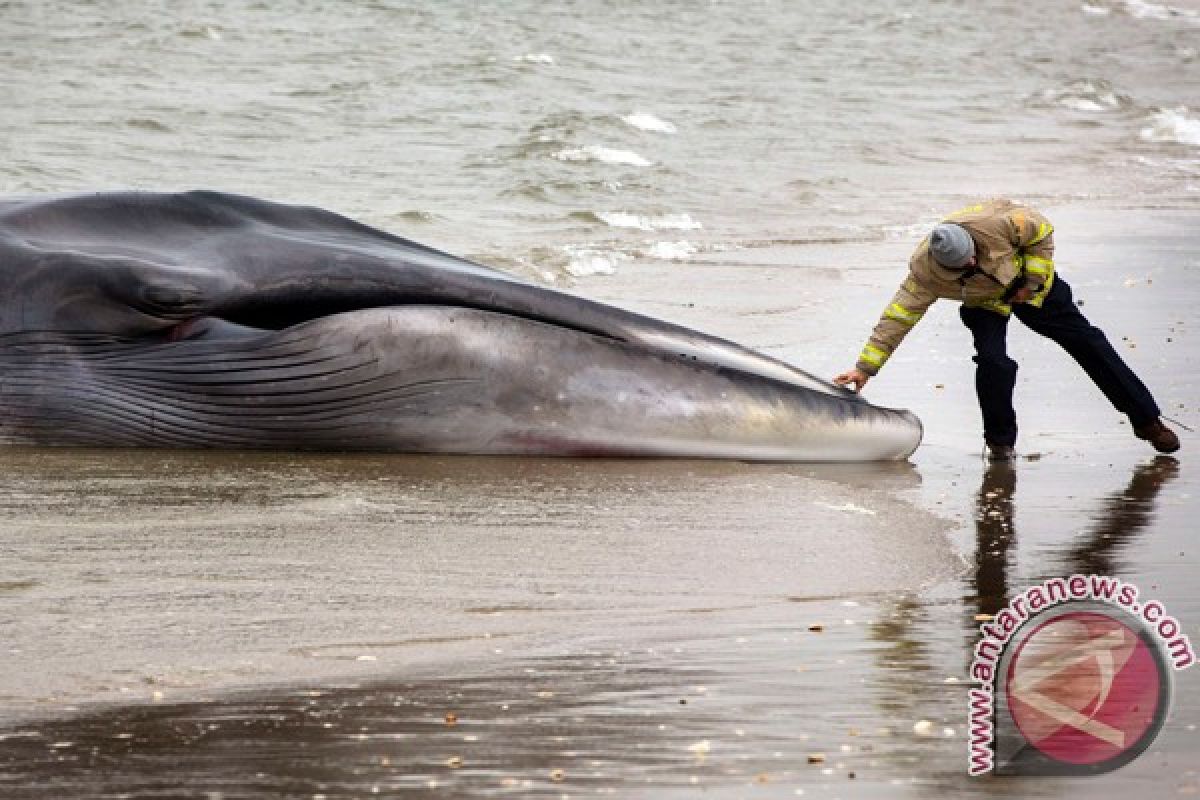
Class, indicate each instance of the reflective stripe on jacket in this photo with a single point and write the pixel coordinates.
(1014, 247)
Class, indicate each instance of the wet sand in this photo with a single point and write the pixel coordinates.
(256, 625)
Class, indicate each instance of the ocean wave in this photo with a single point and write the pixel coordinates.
(148, 124)
(1173, 125)
(641, 222)
(202, 32)
(1140, 9)
(605, 155)
(415, 216)
(584, 260)
(1099, 11)
(1085, 95)
(536, 58)
(671, 251)
(648, 122)
(909, 231)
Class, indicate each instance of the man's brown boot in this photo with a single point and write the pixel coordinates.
(1159, 435)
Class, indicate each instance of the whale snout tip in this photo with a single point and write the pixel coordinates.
(918, 429)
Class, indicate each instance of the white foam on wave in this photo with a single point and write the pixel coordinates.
(1099, 11)
(605, 155)
(1086, 95)
(625, 219)
(536, 58)
(1140, 9)
(584, 260)
(1173, 125)
(648, 122)
(911, 230)
(671, 251)
(1084, 104)
(204, 32)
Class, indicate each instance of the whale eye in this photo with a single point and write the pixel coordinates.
(170, 299)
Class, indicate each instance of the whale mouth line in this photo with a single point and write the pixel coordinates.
(279, 315)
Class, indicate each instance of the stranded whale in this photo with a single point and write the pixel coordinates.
(203, 319)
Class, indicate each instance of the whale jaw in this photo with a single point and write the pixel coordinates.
(425, 378)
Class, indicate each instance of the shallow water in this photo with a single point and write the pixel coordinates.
(572, 138)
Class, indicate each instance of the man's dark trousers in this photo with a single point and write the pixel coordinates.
(1058, 319)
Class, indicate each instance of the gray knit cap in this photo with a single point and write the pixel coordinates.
(951, 245)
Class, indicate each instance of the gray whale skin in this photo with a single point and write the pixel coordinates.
(202, 319)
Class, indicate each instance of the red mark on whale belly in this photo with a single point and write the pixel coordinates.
(187, 329)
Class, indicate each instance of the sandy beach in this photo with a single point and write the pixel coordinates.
(256, 625)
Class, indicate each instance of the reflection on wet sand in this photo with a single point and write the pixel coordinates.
(1122, 517)
(583, 721)
(918, 671)
(745, 706)
(994, 537)
(157, 477)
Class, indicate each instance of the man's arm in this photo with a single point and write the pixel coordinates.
(1033, 235)
(906, 309)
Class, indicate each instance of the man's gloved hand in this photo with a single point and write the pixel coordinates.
(854, 376)
(1022, 295)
